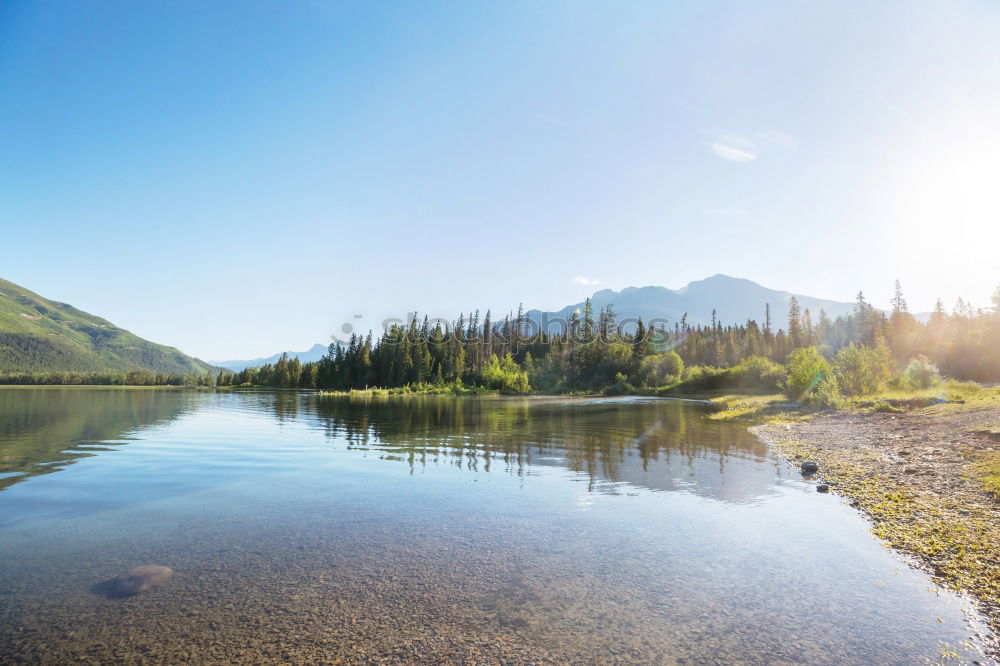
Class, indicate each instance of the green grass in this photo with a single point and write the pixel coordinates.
(766, 407)
(39, 335)
(987, 473)
(413, 389)
(752, 407)
(744, 407)
(953, 391)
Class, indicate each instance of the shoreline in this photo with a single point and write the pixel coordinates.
(917, 478)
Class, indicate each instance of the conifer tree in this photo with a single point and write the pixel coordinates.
(794, 323)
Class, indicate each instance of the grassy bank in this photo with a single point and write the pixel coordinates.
(770, 407)
(414, 389)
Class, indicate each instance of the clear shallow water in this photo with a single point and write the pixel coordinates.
(437, 529)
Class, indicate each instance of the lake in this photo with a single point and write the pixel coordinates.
(304, 528)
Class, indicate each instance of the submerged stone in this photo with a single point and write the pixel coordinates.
(136, 581)
(822, 488)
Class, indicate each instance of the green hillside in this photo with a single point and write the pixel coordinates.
(39, 335)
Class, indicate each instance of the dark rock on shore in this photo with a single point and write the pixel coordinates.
(810, 467)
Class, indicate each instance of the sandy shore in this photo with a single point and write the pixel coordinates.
(913, 475)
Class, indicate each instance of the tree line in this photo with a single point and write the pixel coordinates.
(129, 378)
(595, 351)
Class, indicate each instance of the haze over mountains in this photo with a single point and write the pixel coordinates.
(39, 335)
(735, 300)
(314, 353)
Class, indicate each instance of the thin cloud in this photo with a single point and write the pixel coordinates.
(587, 282)
(729, 212)
(734, 150)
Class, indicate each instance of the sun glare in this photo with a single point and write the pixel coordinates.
(944, 202)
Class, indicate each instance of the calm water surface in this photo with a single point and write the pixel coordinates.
(310, 529)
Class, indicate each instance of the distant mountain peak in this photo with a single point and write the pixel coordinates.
(314, 353)
(734, 300)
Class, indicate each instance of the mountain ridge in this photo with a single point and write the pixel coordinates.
(734, 300)
(41, 335)
(314, 353)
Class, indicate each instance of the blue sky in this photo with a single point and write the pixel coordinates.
(238, 178)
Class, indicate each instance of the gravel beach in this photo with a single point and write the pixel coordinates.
(912, 475)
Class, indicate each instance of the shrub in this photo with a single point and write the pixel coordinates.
(660, 369)
(862, 370)
(505, 376)
(806, 369)
(706, 378)
(758, 372)
(753, 372)
(620, 387)
(615, 358)
(921, 374)
(827, 393)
